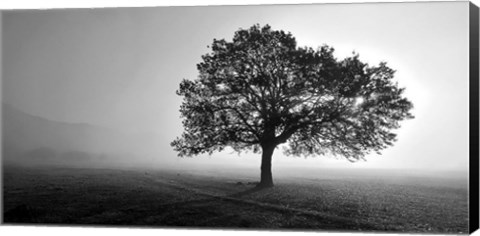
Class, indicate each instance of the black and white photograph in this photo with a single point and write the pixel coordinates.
(351, 117)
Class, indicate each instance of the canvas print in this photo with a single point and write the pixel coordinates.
(326, 117)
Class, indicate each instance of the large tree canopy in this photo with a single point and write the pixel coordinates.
(261, 90)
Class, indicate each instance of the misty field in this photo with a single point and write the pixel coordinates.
(227, 199)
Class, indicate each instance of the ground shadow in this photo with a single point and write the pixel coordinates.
(248, 191)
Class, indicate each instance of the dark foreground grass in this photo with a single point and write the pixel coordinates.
(113, 197)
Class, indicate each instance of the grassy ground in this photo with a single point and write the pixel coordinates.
(183, 198)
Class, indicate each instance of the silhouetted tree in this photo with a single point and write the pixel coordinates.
(261, 90)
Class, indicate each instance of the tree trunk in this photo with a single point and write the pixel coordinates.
(266, 179)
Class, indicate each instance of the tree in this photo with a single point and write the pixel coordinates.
(261, 90)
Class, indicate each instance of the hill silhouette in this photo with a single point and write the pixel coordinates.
(28, 138)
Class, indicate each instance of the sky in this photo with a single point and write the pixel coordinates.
(120, 68)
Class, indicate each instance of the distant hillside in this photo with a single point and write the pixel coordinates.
(29, 136)
(25, 131)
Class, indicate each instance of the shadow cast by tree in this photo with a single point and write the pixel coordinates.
(248, 191)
